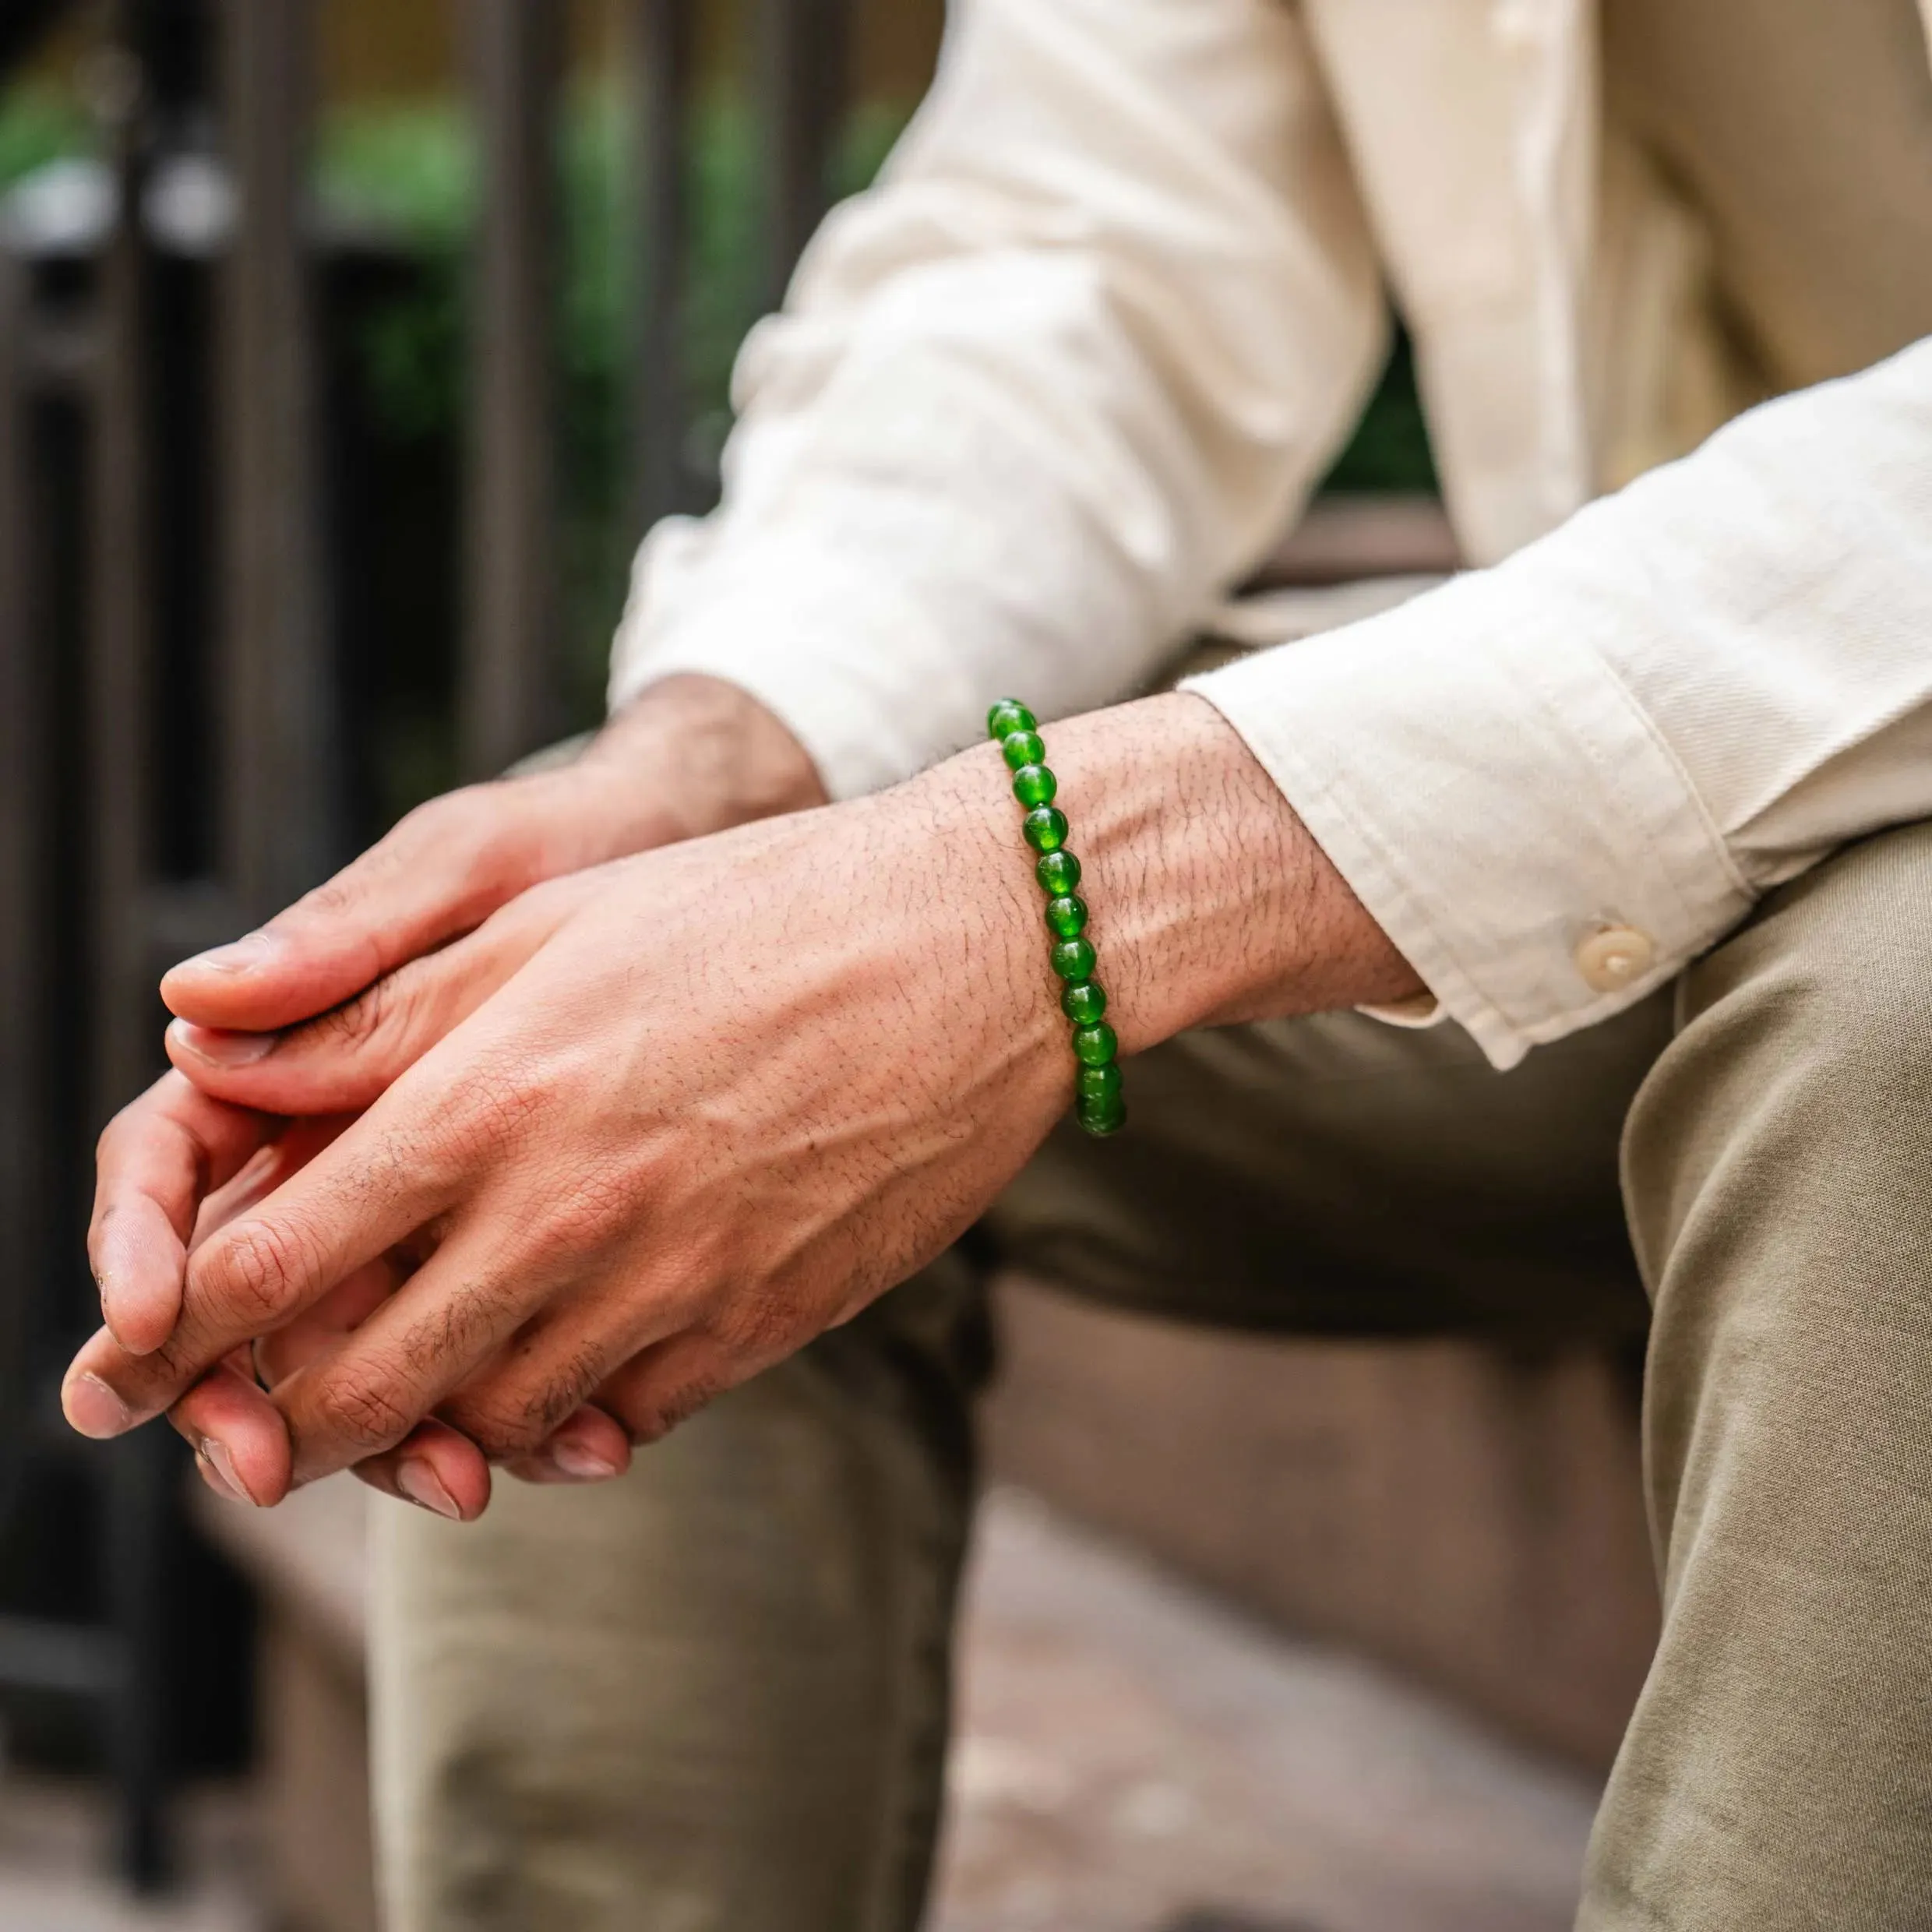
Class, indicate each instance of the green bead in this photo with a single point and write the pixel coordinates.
(1046, 828)
(1066, 917)
(1009, 715)
(1058, 873)
(1084, 1001)
(1073, 959)
(1094, 1084)
(1022, 748)
(1101, 1118)
(1095, 1045)
(1034, 785)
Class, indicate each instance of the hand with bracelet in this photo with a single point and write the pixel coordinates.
(653, 1127)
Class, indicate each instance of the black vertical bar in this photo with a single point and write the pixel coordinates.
(120, 615)
(508, 701)
(805, 52)
(119, 687)
(138, 1522)
(662, 58)
(26, 730)
(283, 817)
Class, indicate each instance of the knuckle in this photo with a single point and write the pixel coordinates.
(145, 1115)
(333, 897)
(581, 1218)
(118, 1130)
(754, 1325)
(500, 1103)
(251, 1272)
(357, 1024)
(356, 1407)
(503, 1425)
(512, 1417)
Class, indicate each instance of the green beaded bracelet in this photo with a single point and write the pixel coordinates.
(1098, 1106)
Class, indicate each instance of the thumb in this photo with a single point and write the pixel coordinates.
(442, 872)
(343, 1061)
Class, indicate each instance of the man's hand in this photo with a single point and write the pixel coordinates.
(746, 1085)
(690, 756)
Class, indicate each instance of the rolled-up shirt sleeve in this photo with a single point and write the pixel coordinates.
(1038, 396)
(1556, 782)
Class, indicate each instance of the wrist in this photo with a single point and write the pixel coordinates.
(1210, 901)
(692, 755)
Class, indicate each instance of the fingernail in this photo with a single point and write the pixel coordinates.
(219, 1047)
(584, 1464)
(94, 1409)
(421, 1484)
(217, 1470)
(240, 956)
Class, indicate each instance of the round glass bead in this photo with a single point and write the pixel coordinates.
(1046, 828)
(1034, 785)
(1022, 748)
(1073, 959)
(1058, 873)
(1102, 1117)
(1066, 917)
(1095, 1045)
(1083, 1002)
(1098, 1083)
(1009, 715)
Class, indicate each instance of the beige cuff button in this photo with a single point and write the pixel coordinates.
(1615, 956)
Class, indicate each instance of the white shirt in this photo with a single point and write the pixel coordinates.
(1040, 398)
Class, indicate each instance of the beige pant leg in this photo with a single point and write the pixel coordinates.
(1778, 1773)
(710, 1696)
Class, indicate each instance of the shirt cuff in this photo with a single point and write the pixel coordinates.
(1500, 802)
(852, 670)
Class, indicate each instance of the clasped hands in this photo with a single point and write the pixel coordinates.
(576, 1141)
(562, 1110)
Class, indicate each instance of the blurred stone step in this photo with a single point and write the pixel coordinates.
(1133, 1757)
(1471, 1513)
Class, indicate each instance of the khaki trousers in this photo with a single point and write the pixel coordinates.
(712, 1697)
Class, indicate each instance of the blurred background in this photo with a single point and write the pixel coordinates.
(347, 348)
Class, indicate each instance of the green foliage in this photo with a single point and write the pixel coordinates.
(38, 124)
(1390, 449)
(410, 171)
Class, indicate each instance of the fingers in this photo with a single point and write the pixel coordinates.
(159, 1158)
(588, 1446)
(460, 1341)
(364, 1194)
(443, 870)
(345, 1059)
(436, 1469)
(241, 1443)
(242, 1453)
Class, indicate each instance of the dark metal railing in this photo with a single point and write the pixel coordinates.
(175, 745)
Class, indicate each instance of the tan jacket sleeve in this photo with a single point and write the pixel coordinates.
(1555, 782)
(1038, 397)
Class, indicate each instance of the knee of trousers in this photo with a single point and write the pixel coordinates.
(1778, 1159)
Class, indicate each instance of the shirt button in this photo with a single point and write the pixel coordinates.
(1614, 957)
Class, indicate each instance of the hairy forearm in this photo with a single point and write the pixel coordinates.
(1209, 901)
